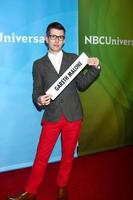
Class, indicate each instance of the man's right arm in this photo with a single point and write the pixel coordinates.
(39, 98)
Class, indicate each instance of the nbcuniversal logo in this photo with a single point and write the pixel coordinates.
(107, 40)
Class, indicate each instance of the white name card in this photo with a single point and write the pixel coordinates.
(68, 76)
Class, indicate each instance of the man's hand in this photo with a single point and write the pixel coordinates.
(93, 62)
(44, 100)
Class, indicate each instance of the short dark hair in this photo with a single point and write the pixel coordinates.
(55, 25)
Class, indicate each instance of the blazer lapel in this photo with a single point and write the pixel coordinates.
(50, 65)
(64, 64)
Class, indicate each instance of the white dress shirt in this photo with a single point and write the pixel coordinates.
(56, 60)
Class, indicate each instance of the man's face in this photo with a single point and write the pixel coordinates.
(55, 40)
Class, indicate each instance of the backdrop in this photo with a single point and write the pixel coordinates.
(105, 31)
(22, 27)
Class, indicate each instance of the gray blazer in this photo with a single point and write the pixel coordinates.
(68, 102)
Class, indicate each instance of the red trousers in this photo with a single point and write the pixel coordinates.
(70, 132)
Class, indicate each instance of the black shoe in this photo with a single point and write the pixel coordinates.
(62, 193)
(23, 196)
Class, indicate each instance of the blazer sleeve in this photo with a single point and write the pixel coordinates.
(37, 84)
(83, 81)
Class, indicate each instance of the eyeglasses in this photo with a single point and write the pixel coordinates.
(59, 37)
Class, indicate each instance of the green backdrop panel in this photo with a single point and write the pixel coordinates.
(105, 31)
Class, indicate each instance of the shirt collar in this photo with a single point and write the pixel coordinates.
(57, 54)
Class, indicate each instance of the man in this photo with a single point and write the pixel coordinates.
(62, 115)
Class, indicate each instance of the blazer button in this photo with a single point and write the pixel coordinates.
(61, 100)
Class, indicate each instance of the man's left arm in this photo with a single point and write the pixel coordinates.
(83, 81)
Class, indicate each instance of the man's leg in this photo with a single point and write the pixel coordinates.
(49, 134)
(48, 138)
(70, 135)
